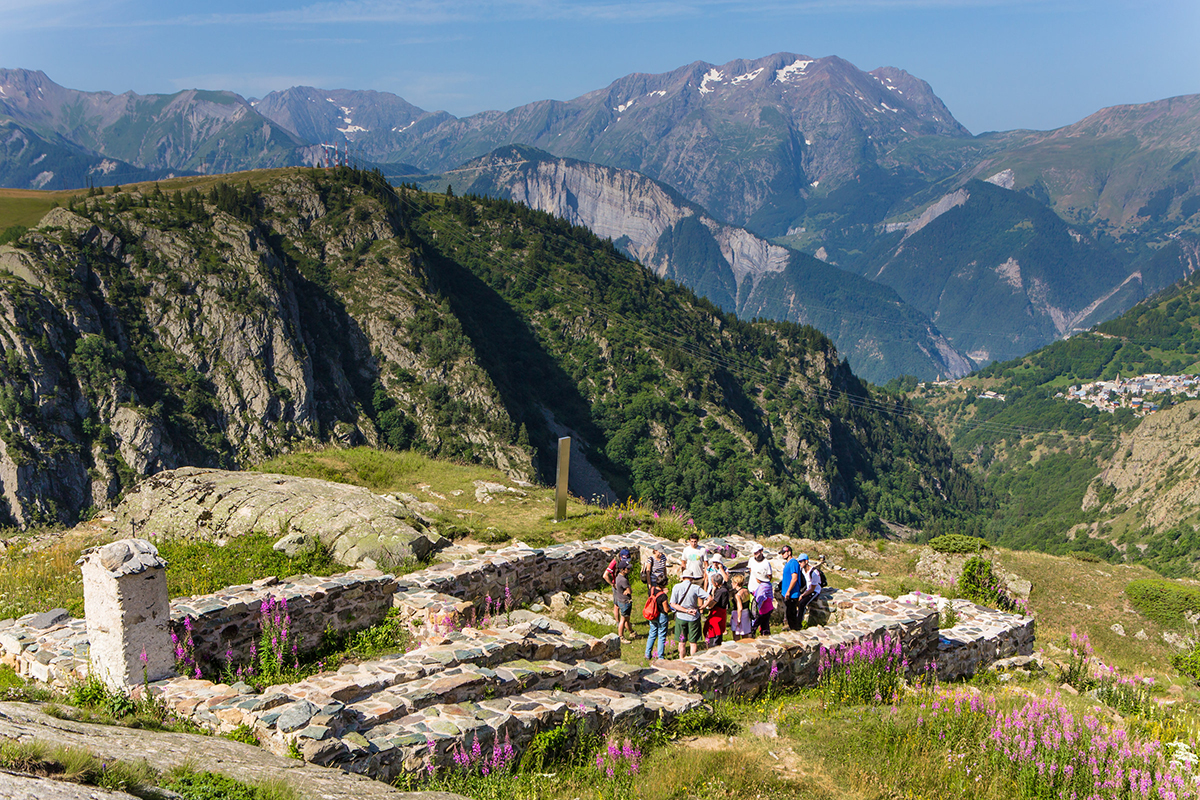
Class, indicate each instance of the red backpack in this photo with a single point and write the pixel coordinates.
(650, 610)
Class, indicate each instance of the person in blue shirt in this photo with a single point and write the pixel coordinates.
(793, 583)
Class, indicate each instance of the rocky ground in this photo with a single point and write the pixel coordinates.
(163, 751)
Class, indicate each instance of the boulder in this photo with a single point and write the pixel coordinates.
(361, 529)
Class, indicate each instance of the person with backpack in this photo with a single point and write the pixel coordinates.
(686, 600)
(794, 581)
(655, 612)
(816, 580)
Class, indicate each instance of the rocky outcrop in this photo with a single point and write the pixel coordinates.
(1155, 469)
(162, 751)
(361, 529)
(171, 334)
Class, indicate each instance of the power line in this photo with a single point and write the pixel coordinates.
(898, 408)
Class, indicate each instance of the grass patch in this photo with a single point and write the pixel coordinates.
(202, 567)
(1166, 602)
(191, 784)
(78, 765)
(37, 580)
(26, 207)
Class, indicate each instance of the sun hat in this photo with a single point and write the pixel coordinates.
(693, 572)
(716, 558)
(756, 547)
(657, 548)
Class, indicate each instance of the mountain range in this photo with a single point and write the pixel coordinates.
(201, 322)
(995, 244)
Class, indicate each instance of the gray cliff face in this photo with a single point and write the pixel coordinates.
(731, 266)
(135, 342)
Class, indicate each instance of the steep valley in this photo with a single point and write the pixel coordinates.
(220, 321)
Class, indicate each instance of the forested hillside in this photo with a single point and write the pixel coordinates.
(221, 320)
(1042, 455)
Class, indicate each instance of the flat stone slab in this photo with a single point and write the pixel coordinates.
(166, 750)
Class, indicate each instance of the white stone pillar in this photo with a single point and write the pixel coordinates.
(128, 613)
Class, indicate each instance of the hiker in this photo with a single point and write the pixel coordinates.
(655, 568)
(686, 600)
(794, 581)
(813, 591)
(655, 612)
(762, 589)
(623, 601)
(741, 624)
(694, 556)
(716, 568)
(623, 556)
(718, 611)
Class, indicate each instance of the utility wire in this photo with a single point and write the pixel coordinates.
(753, 364)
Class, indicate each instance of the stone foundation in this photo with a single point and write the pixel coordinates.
(518, 676)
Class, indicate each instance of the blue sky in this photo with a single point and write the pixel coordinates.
(998, 64)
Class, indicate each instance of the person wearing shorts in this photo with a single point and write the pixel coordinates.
(623, 603)
(687, 598)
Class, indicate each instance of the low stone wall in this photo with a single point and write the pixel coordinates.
(228, 620)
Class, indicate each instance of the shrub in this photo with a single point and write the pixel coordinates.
(1084, 555)
(958, 543)
(979, 584)
(1188, 663)
(1162, 600)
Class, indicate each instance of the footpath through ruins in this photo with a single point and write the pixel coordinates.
(492, 677)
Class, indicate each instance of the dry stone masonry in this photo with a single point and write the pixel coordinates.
(125, 593)
(499, 676)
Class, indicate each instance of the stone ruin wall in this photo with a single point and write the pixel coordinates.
(53, 648)
(512, 679)
(228, 620)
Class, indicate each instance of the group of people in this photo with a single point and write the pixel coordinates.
(710, 599)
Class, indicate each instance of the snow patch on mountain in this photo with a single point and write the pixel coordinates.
(659, 92)
(749, 76)
(41, 180)
(714, 75)
(793, 70)
(621, 108)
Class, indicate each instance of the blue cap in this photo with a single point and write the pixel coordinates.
(802, 557)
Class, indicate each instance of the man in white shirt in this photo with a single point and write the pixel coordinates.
(813, 591)
(695, 557)
(761, 587)
(760, 568)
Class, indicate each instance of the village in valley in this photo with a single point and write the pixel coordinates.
(1134, 393)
